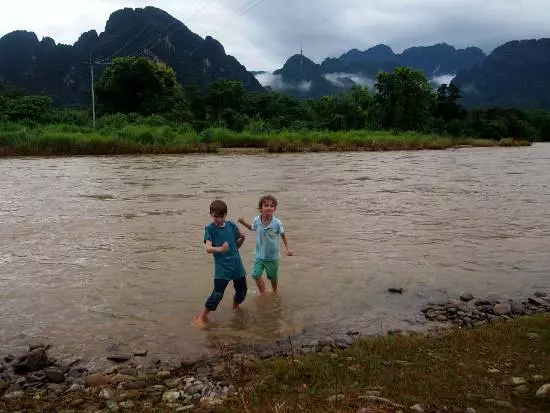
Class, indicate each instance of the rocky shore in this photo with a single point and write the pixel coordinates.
(132, 384)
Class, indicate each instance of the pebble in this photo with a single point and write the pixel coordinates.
(544, 390)
(127, 404)
(522, 389)
(493, 371)
(417, 408)
(171, 396)
(518, 381)
(467, 297)
(499, 403)
(185, 408)
(106, 393)
(470, 410)
(538, 377)
(335, 397)
(119, 358)
(18, 394)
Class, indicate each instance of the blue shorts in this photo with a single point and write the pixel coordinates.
(219, 288)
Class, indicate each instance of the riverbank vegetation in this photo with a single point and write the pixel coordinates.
(501, 367)
(142, 109)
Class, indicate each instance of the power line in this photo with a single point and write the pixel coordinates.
(128, 42)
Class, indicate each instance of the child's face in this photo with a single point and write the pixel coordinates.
(218, 220)
(268, 208)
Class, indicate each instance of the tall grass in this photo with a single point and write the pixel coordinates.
(116, 136)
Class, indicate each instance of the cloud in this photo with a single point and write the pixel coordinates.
(263, 34)
(442, 79)
(339, 79)
(276, 82)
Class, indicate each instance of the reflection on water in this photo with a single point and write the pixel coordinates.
(100, 250)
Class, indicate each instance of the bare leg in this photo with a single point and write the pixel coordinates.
(261, 285)
(274, 285)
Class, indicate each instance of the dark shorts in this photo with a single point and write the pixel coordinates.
(219, 288)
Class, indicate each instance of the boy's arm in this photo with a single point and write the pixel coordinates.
(240, 238)
(211, 249)
(245, 224)
(287, 247)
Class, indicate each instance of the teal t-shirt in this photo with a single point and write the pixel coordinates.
(268, 242)
(227, 265)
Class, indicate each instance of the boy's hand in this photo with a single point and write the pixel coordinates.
(241, 220)
(224, 247)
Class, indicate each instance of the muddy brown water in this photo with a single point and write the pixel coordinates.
(103, 253)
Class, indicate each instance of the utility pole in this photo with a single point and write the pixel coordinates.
(93, 91)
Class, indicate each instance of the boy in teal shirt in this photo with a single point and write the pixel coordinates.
(269, 230)
(223, 239)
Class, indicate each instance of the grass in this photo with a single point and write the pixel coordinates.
(450, 369)
(59, 139)
(445, 369)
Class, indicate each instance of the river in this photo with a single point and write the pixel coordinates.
(106, 252)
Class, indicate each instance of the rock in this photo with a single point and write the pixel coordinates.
(518, 381)
(533, 336)
(172, 383)
(171, 396)
(441, 318)
(417, 408)
(372, 393)
(335, 397)
(185, 408)
(544, 390)
(395, 290)
(470, 410)
(376, 399)
(538, 377)
(107, 393)
(539, 302)
(466, 297)
(97, 380)
(119, 358)
(112, 405)
(18, 394)
(77, 402)
(521, 389)
(32, 361)
(209, 402)
(127, 404)
(34, 345)
(140, 352)
(163, 374)
(517, 308)
(194, 389)
(499, 403)
(4, 385)
(134, 385)
(493, 371)
(76, 388)
(540, 294)
(55, 375)
(482, 303)
(501, 309)
(129, 372)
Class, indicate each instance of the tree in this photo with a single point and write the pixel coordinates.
(223, 95)
(404, 99)
(446, 106)
(139, 85)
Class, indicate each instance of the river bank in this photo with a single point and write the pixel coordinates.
(504, 365)
(66, 140)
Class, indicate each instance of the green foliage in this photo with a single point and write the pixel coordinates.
(139, 85)
(404, 100)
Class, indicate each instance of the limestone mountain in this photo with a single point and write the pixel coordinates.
(302, 77)
(61, 71)
(515, 74)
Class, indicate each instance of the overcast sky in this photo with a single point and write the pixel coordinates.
(262, 34)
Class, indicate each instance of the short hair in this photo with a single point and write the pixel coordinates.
(218, 208)
(267, 198)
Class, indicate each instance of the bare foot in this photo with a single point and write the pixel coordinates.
(235, 306)
(200, 322)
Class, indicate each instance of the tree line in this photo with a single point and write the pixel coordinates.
(404, 100)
